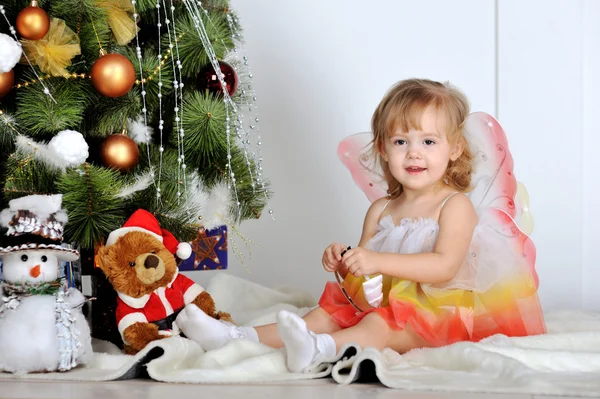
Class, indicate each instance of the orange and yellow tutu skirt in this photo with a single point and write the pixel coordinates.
(442, 315)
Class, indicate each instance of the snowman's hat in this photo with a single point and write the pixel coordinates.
(36, 222)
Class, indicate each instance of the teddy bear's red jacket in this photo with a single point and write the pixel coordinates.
(158, 305)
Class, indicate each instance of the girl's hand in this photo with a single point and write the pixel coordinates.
(360, 261)
(332, 257)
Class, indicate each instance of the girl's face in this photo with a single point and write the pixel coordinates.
(418, 159)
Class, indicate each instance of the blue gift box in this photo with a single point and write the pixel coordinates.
(209, 250)
(71, 271)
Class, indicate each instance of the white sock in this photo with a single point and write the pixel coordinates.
(208, 332)
(304, 347)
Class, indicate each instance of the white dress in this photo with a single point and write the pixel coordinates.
(494, 291)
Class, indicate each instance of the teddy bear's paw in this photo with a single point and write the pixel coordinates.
(138, 335)
(224, 316)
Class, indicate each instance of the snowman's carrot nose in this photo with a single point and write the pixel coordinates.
(35, 271)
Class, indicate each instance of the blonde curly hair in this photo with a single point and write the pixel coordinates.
(403, 106)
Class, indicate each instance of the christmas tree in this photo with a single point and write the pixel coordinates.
(116, 105)
(127, 104)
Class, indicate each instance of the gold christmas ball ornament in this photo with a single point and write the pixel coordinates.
(113, 75)
(119, 152)
(32, 22)
(7, 81)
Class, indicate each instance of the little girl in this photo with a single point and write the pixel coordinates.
(447, 275)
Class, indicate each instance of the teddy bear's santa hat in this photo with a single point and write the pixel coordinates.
(144, 221)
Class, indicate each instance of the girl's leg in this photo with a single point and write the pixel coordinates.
(406, 339)
(374, 331)
(305, 348)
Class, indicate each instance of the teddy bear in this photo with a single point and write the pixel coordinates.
(139, 261)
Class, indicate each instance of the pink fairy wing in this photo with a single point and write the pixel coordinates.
(493, 180)
(523, 217)
(494, 184)
(506, 226)
(355, 153)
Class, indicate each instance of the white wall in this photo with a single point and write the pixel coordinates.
(320, 68)
(540, 107)
(591, 159)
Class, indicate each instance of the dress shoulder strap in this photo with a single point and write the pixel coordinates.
(383, 209)
(447, 198)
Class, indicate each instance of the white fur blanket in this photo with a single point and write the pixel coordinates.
(566, 361)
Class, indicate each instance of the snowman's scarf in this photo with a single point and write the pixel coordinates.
(68, 335)
(27, 289)
(12, 293)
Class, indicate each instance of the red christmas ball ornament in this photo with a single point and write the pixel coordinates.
(208, 80)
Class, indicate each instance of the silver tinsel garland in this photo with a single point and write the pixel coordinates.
(67, 334)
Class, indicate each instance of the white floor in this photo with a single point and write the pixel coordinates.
(143, 389)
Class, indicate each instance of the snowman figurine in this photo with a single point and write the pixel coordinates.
(42, 327)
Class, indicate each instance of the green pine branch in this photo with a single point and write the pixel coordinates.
(40, 116)
(150, 64)
(205, 146)
(109, 115)
(26, 176)
(237, 26)
(89, 33)
(170, 210)
(145, 6)
(90, 22)
(250, 193)
(7, 134)
(191, 51)
(204, 125)
(252, 200)
(216, 8)
(13, 7)
(89, 199)
(76, 12)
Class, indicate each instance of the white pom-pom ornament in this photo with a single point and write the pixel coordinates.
(10, 53)
(69, 146)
